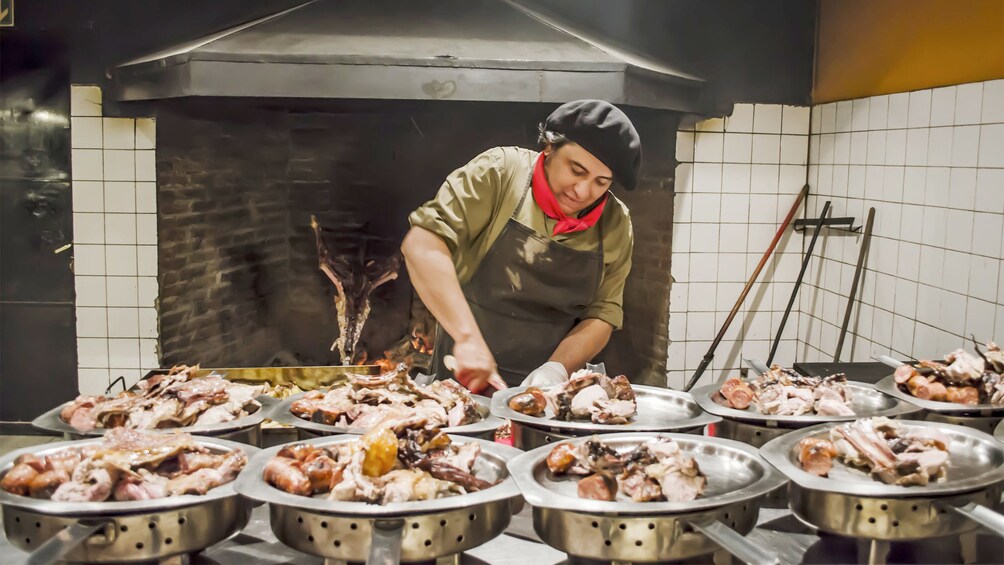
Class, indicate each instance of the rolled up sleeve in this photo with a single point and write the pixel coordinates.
(464, 205)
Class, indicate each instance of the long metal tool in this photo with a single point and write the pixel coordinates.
(798, 282)
(749, 285)
(858, 269)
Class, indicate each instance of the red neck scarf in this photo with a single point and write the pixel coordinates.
(544, 198)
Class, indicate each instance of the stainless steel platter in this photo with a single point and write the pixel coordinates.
(850, 503)
(404, 531)
(117, 531)
(999, 432)
(866, 402)
(280, 413)
(659, 410)
(623, 530)
(246, 429)
(888, 386)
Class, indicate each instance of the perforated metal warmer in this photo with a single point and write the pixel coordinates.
(139, 530)
(416, 531)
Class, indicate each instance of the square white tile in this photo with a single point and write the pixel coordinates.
(766, 148)
(123, 322)
(943, 106)
(876, 148)
(764, 178)
(120, 164)
(88, 259)
(735, 178)
(733, 238)
(902, 333)
(703, 268)
(90, 291)
(120, 197)
(979, 319)
(763, 208)
(92, 381)
(990, 189)
(917, 146)
(92, 322)
(828, 118)
(678, 297)
(119, 133)
(934, 229)
(838, 185)
(843, 121)
(120, 228)
(955, 277)
(123, 353)
(899, 109)
(841, 148)
(791, 179)
(85, 133)
(794, 149)
(146, 197)
(712, 124)
(962, 189)
(735, 208)
(908, 263)
(878, 112)
(706, 208)
(767, 118)
(92, 352)
(815, 115)
(121, 260)
(965, 146)
(707, 177)
(984, 277)
(146, 133)
(682, 206)
(701, 297)
(795, 120)
(937, 186)
(146, 166)
(987, 229)
(122, 291)
(704, 238)
(968, 101)
(88, 196)
(895, 147)
(920, 109)
(88, 228)
(953, 313)
(939, 147)
(684, 180)
(85, 100)
(700, 325)
(146, 260)
(738, 148)
(148, 354)
(708, 147)
(914, 184)
(680, 266)
(860, 110)
(991, 145)
(685, 146)
(86, 164)
(741, 119)
(993, 102)
(146, 229)
(959, 236)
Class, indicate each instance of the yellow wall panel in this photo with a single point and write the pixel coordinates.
(871, 47)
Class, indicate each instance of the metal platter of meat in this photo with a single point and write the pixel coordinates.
(398, 461)
(960, 378)
(365, 400)
(173, 400)
(125, 465)
(586, 396)
(784, 392)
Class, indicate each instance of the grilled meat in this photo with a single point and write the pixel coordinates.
(586, 395)
(816, 455)
(784, 392)
(959, 377)
(598, 486)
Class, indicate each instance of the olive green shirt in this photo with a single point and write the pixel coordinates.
(475, 202)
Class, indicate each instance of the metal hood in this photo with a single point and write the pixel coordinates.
(473, 50)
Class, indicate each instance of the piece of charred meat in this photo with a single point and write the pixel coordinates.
(598, 486)
(532, 402)
(816, 455)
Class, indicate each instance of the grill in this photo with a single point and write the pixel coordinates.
(103, 532)
(405, 531)
(306, 429)
(849, 503)
(659, 410)
(646, 532)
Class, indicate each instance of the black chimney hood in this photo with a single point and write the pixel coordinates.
(471, 50)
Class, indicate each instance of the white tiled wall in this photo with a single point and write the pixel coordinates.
(115, 242)
(736, 180)
(931, 162)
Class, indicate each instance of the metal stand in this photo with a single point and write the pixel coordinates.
(968, 548)
(873, 552)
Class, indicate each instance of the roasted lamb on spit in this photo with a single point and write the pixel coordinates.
(784, 392)
(960, 377)
(127, 465)
(401, 460)
(367, 400)
(656, 470)
(586, 396)
(886, 449)
(173, 400)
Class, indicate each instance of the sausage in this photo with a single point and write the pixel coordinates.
(926, 390)
(319, 472)
(18, 479)
(738, 393)
(962, 395)
(598, 486)
(561, 457)
(816, 455)
(532, 402)
(285, 473)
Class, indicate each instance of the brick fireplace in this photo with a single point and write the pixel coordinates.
(238, 181)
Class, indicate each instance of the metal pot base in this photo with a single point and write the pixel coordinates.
(527, 437)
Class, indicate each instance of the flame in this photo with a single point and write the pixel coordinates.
(421, 342)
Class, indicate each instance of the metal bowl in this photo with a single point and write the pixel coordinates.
(246, 430)
(866, 402)
(485, 428)
(659, 410)
(888, 385)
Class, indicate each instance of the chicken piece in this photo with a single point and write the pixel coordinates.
(532, 402)
(142, 486)
(584, 401)
(622, 388)
(904, 373)
(831, 407)
(738, 394)
(963, 369)
(322, 471)
(464, 456)
(639, 486)
(994, 358)
(355, 485)
(18, 479)
(924, 389)
(561, 458)
(88, 484)
(44, 484)
(962, 394)
(614, 411)
(816, 455)
(599, 486)
(285, 474)
(203, 480)
(300, 452)
(679, 478)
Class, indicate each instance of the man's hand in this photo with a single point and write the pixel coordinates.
(549, 374)
(473, 363)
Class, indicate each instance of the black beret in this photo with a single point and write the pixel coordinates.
(603, 130)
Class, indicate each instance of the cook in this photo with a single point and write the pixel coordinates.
(522, 255)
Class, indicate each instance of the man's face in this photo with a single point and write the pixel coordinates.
(577, 178)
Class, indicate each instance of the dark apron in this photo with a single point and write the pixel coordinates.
(526, 295)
